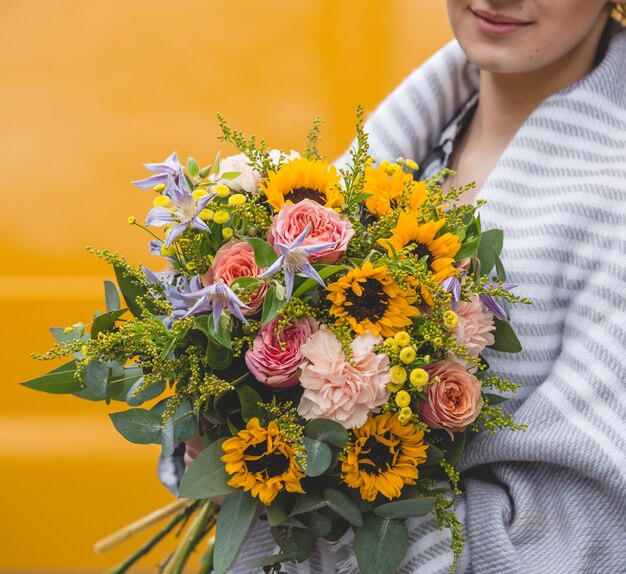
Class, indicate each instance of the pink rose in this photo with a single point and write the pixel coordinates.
(454, 399)
(275, 366)
(337, 390)
(233, 260)
(327, 226)
(475, 326)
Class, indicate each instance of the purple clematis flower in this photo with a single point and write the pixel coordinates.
(295, 259)
(490, 303)
(183, 213)
(452, 285)
(169, 167)
(216, 297)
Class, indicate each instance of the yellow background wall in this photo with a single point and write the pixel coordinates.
(90, 90)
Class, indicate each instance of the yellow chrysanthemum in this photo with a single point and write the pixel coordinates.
(421, 238)
(385, 189)
(383, 457)
(368, 300)
(260, 461)
(301, 179)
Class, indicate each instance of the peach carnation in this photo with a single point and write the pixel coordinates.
(475, 326)
(327, 226)
(233, 260)
(454, 397)
(337, 390)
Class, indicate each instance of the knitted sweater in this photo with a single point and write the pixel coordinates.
(553, 498)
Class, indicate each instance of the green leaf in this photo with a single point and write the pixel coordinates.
(97, 376)
(59, 381)
(264, 253)
(111, 296)
(206, 476)
(318, 456)
(276, 513)
(339, 503)
(192, 167)
(167, 438)
(233, 522)
(506, 340)
(139, 426)
(294, 540)
(307, 503)
(467, 249)
(324, 271)
(270, 560)
(106, 322)
(494, 399)
(500, 272)
(454, 452)
(230, 175)
(131, 290)
(433, 456)
(271, 305)
(319, 524)
(490, 244)
(327, 431)
(243, 283)
(205, 323)
(218, 357)
(420, 506)
(135, 400)
(185, 419)
(249, 400)
(380, 545)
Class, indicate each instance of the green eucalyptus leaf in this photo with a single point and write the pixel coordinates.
(233, 522)
(319, 524)
(294, 540)
(135, 400)
(264, 253)
(96, 377)
(506, 340)
(489, 247)
(307, 503)
(494, 399)
(131, 290)
(59, 381)
(433, 456)
(250, 403)
(454, 452)
(106, 322)
(327, 431)
(339, 503)
(419, 506)
(380, 545)
(167, 438)
(500, 272)
(467, 249)
(137, 425)
(276, 513)
(270, 560)
(318, 457)
(206, 476)
(111, 296)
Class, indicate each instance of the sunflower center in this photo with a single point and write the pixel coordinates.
(421, 250)
(378, 455)
(257, 459)
(299, 193)
(371, 304)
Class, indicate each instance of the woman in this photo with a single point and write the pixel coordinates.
(531, 103)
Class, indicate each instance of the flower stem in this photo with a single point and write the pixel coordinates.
(150, 544)
(193, 535)
(139, 525)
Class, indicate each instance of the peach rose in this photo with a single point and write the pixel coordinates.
(327, 226)
(337, 390)
(454, 400)
(475, 326)
(275, 365)
(233, 260)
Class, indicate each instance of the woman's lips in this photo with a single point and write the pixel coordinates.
(497, 24)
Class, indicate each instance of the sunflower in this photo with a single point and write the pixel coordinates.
(303, 179)
(383, 457)
(261, 462)
(385, 190)
(420, 237)
(368, 299)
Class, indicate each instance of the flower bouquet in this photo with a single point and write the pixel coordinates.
(319, 330)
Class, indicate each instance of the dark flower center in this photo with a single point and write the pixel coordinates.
(378, 456)
(299, 193)
(371, 305)
(272, 463)
(420, 250)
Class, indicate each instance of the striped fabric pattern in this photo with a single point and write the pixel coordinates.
(552, 499)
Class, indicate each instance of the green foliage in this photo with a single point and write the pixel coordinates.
(272, 303)
(407, 508)
(489, 248)
(380, 545)
(264, 253)
(328, 431)
(111, 296)
(206, 476)
(138, 425)
(506, 340)
(311, 152)
(341, 505)
(61, 380)
(233, 522)
(318, 457)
